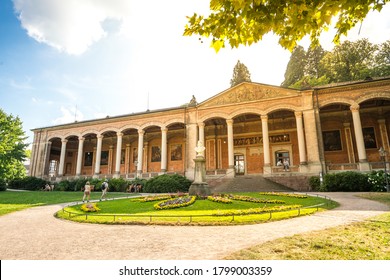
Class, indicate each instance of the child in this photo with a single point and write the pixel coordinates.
(87, 191)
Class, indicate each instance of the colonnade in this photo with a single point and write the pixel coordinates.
(306, 136)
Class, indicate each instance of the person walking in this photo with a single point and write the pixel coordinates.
(87, 191)
(104, 190)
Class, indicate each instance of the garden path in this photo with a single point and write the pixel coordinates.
(35, 234)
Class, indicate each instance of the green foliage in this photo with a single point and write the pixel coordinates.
(27, 183)
(240, 74)
(315, 184)
(377, 180)
(167, 184)
(12, 147)
(346, 182)
(295, 67)
(349, 61)
(117, 185)
(237, 22)
(3, 185)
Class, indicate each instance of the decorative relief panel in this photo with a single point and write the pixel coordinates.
(247, 93)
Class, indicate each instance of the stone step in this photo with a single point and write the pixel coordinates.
(246, 183)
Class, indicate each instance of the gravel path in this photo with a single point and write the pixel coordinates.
(35, 234)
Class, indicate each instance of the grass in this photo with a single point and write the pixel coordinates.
(199, 213)
(11, 201)
(368, 240)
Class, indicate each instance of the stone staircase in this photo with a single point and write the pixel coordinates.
(246, 183)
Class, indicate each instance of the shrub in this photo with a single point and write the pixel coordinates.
(346, 182)
(27, 183)
(117, 185)
(3, 185)
(315, 184)
(167, 184)
(377, 181)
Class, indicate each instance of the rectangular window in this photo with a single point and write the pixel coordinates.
(280, 157)
(104, 158)
(369, 138)
(88, 157)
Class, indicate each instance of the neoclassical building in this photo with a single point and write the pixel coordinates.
(245, 129)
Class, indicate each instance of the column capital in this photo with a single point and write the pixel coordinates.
(64, 140)
(201, 124)
(264, 117)
(99, 136)
(164, 129)
(119, 134)
(141, 131)
(81, 138)
(354, 108)
(381, 121)
(298, 114)
(229, 121)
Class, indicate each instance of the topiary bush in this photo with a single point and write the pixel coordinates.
(167, 184)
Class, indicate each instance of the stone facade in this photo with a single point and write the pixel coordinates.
(246, 129)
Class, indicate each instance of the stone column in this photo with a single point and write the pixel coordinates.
(191, 140)
(357, 125)
(313, 157)
(231, 171)
(140, 151)
(348, 140)
(80, 156)
(110, 159)
(62, 157)
(201, 132)
(301, 138)
(98, 155)
(127, 159)
(384, 134)
(266, 148)
(164, 161)
(118, 155)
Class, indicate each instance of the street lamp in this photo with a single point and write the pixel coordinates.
(382, 153)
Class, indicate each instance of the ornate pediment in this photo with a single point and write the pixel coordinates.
(247, 92)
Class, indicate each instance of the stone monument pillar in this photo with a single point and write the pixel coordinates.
(199, 185)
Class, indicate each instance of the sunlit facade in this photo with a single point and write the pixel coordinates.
(245, 129)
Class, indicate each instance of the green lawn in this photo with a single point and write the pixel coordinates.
(11, 201)
(144, 212)
(368, 240)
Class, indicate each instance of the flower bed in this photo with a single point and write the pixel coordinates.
(257, 210)
(90, 207)
(219, 199)
(255, 200)
(284, 194)
(175, 203)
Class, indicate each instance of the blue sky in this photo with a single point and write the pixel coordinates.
(62, 61)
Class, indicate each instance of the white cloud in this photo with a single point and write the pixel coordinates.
(68, 116)
(71, 26)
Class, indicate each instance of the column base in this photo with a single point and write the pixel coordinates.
(364, 166)
(199, 189)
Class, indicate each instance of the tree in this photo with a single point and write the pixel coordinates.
(239, 22)
(240, 74)
(350, 61)
(295, 67)
(382, 60)
(12, 147)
